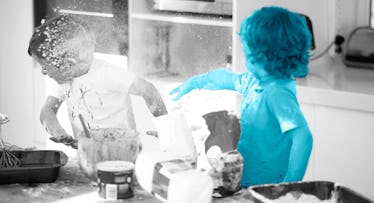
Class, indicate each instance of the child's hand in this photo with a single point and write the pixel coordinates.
(214, 80)
(152, 133)
(66, 140)
(3, 119)
(196, 82)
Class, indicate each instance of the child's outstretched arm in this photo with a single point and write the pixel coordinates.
(214, 80)
(50, 122)
(301, 148)
(150, 94)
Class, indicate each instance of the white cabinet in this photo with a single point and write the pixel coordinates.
(344, 151)
(343, 146)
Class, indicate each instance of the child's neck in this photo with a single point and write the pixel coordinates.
(261, 74)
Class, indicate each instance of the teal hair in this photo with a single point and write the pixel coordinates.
(278, 39)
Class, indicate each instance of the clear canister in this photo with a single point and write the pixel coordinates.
(106, 144)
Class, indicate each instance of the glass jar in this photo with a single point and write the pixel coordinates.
(105, 144)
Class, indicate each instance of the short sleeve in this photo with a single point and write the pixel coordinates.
(284, 105)
(129, 78)
(122, 78)
(55, 90)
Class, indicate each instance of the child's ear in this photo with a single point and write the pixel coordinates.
(70, 62)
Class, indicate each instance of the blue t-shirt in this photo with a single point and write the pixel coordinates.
(268, 110)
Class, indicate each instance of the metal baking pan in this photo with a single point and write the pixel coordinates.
(37, 166)
(316, 191)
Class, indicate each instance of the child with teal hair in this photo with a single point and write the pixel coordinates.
(275, 139)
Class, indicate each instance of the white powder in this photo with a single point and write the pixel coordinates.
(295, 197)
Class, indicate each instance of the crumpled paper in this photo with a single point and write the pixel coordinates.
(226, 169)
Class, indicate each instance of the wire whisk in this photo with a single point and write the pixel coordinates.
(7, 159)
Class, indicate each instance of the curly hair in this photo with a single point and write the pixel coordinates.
(278, 39)
(60, 37)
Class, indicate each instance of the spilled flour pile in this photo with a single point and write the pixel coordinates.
(295, 197)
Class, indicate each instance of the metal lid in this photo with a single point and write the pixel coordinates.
(115, 166)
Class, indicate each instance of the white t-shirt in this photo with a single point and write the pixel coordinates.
(100, 96)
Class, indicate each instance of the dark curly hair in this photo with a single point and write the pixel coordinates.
(277, 39)
(59, 37)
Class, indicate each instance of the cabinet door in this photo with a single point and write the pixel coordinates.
(344, 151)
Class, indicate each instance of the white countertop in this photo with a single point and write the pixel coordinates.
(331, 83)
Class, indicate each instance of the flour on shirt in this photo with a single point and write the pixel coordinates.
(101, 96)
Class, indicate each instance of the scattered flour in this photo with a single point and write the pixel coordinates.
(294, 197)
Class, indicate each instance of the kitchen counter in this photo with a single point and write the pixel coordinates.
(72, 186)
(331, 83)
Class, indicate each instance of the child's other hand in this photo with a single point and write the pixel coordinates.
(179, 91)
(152, 133)
(220, 78)
(196, 82)
(66, 140)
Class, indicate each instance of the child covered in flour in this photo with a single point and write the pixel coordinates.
(99, 91)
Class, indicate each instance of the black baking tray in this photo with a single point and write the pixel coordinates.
(37, 166)
(323, 190)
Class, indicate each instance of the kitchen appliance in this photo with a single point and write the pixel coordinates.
(359, 50)
(310, 28)
(212, 7)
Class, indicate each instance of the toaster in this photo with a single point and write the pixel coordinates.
(359, 50)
